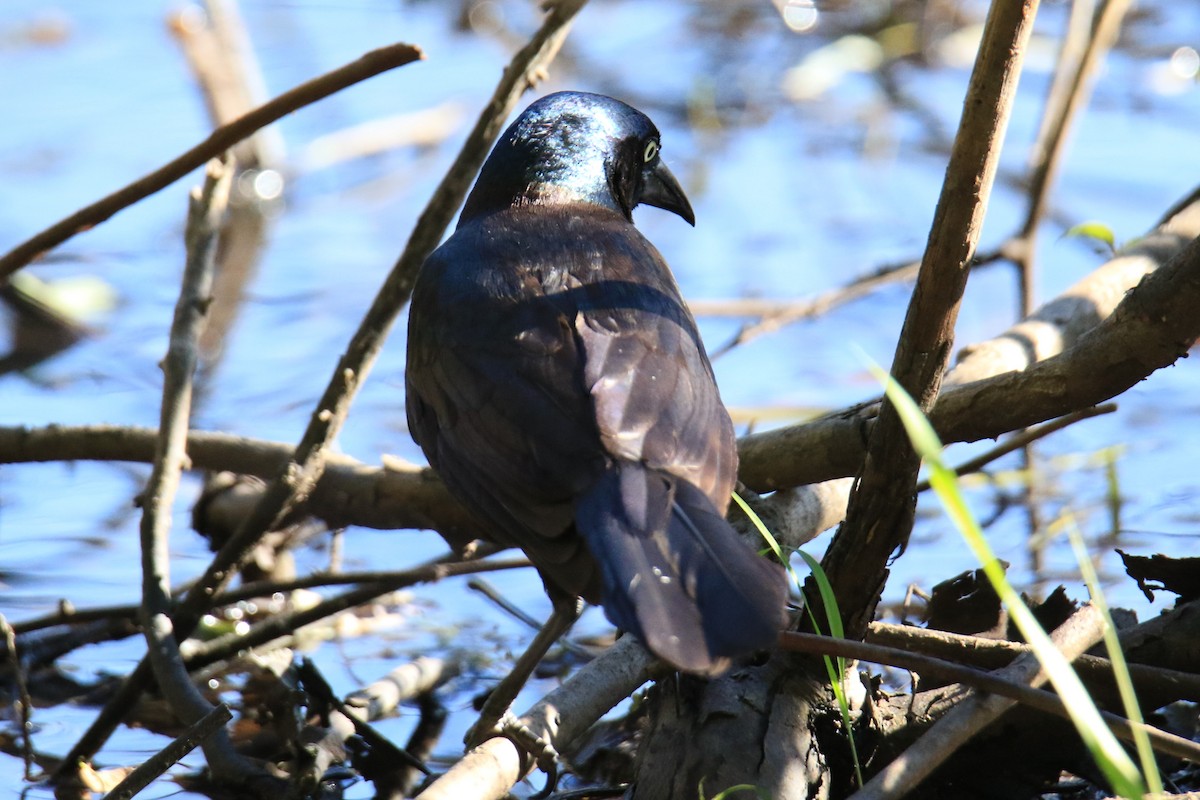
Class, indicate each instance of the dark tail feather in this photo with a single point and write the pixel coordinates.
(675, 574)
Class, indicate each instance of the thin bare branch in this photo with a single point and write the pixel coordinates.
(438, 570)
(776, 314)
(220, 140)
(201, 654)
(164, 759)
(206, 210)
(1023, 438)
(217, 46)
(1157, 684)
(1068, 96)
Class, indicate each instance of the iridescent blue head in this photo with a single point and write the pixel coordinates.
(572, 147)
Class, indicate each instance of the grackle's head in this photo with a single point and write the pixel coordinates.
(572, 147)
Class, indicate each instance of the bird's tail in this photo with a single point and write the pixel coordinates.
(675, 574)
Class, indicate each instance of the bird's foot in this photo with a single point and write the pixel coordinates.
(532, 746)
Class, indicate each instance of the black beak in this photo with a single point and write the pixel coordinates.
(661, 190)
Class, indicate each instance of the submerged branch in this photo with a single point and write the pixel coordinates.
(149, 771)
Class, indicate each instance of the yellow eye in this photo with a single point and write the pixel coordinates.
(651, 151)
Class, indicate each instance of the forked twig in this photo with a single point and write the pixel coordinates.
(206, 210)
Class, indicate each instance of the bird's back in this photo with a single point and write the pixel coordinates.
(544, 345)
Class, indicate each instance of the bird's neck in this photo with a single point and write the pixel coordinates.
(554, 182)
(538, 195)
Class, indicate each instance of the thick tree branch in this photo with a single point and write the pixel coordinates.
(880, 514)
(1153, 327)
(401, 495)
(491, 770)
(349, 492)
(404, 495)
(833, 446)
(1060, 323)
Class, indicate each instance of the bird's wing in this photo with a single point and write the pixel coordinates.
(495, 401)
(654, 396)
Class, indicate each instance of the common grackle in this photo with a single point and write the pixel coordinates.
(557, 383)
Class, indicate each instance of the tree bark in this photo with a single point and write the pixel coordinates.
(756, 726)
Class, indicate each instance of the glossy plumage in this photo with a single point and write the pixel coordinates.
(558, 384)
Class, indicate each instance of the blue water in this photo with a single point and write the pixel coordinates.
(791, 199)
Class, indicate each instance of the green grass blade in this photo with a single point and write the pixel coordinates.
(1112, 643)
(767, 536)
(837, 674)
(726, 794)
(1112, 759)
(832, 612)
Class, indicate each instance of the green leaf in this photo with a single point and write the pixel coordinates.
(1093, 230)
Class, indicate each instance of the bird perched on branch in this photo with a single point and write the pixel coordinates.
(557, 383)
